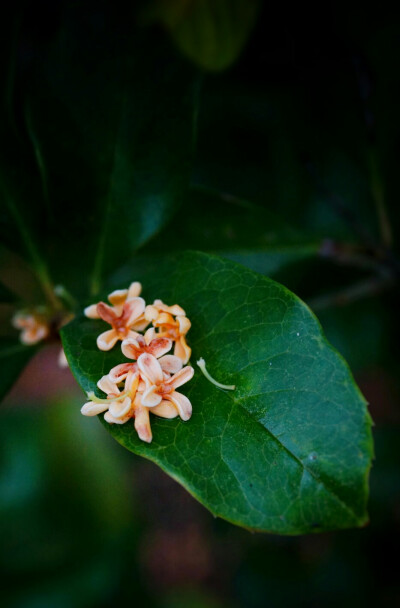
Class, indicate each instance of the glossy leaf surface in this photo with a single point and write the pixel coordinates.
(290, 449)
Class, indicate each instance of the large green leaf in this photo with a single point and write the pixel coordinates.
(111, 112)
(13, 358)
(290, 449)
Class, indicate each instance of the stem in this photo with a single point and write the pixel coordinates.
(379, 200)
(62, 293)
(339, 207)
(39, 266)
(202, 365)
(362, 289)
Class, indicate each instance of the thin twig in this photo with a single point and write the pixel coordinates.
(367, 288)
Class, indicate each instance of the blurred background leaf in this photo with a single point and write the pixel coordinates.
(210, 33)
(112, 110)
(13, 358)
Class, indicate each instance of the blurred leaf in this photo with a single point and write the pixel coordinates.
(212, 33)
(13, 358)
(236, 229)
(111, 113)
(6, 296)
(22, 205)
(290, 449)
(61, 533)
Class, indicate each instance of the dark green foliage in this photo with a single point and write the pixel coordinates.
(268, 455)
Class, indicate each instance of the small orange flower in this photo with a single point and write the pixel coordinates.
(125, 315)
(171, 322)
(117, 299)
(118, 405)
(123, 325)
(160, 391)
(121, 405)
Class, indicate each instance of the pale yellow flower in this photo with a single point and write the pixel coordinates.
(171, 322)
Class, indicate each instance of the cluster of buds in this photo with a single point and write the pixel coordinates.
(148, 382)
(40, 324)
(34, 325)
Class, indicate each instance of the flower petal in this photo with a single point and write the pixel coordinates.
(184, 325)
(93, 409)
(62, 359)
(132, 335)
(135, 289)
(107, 339)
(133, 309)
(120, 409)
(106, 385)
(166, 409)
(182, 403)
(150, 335)
(164, 318)
(159, 347)
(112, 420)
(170, 364)
(119, 372)
(91, 312)
(118, 297)
(150, 397)
(140, 324)
(150, 368)
(182, 350)
(151, 313)
(106, 313)
(131, 382)
(21, 320)
(34, 334)
(181, 377)
(142, 424)
(173, 310)
(131, 348)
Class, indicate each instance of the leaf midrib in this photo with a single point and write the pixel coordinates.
(312, 473)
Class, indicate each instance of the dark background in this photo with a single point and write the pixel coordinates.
(292, 125)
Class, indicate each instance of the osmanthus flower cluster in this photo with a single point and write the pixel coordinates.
(34, 325)
(148, 382)
(41, 324)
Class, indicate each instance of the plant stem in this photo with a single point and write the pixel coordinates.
(379, 200)
(39, 266)
(362, 289)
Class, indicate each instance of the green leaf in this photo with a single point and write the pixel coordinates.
(111, 111)
(290, 449)
(13, 358)
(22, 206)
(212, 34)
